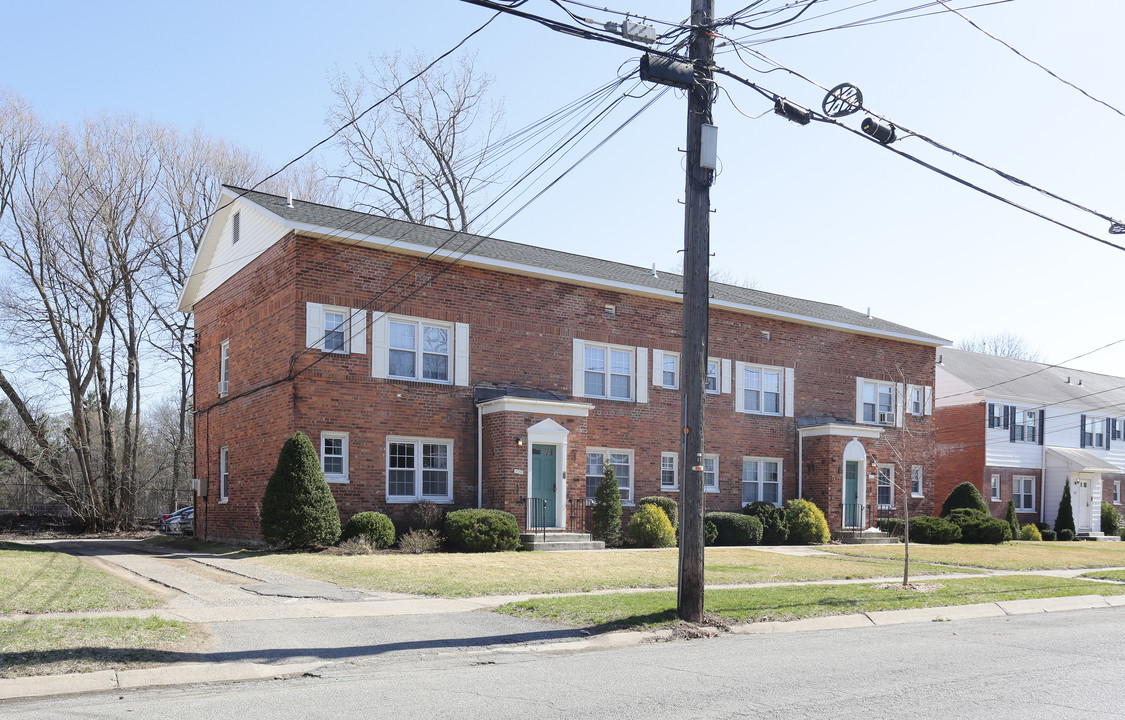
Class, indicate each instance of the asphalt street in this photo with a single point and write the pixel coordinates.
(1050, 665)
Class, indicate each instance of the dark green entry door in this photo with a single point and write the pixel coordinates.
(851, 494)
(543, 479)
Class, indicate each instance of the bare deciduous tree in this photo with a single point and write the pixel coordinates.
(1002, 344)
(421, 155)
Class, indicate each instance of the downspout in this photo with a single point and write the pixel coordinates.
(480, 457)
(1043, 476)
(800, 464)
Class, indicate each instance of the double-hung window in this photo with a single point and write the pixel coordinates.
(224, 474)
(1026, 427)
(670, 371)
(916, 480)
(419, 469)
(608, 372)
(712, 376)
(335, 336)
(622, 463)
(334, 456)
(1093, 432)
(1116, 492)
(669, 471)
(761, 480)
(878, 403)
(994, 487)
(711, 473)
(419, 350)
(917, 400)
(762, 389)
(1023, 492)
(224, 367)
(886, 485)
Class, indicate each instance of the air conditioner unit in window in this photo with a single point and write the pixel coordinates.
(199, 487)
(886, 418)
(222, 388)
(1030, 415)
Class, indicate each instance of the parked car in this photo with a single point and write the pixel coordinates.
(179, 522)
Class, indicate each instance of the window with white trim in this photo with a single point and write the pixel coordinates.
(994, 487)
(885, 486)
(419, 350)
(1026, 425)
(1116, 492)
(761, 387)
(224, 367)
(669, 471)
(670, 371)
(917, 400)
(334, 456)
(224, 475)
(711, 473)
(419, 469)
(1093, 432)
(878, 403)
(608, 372)
(1023, 492)
(761, 480)
(916, 480)
(335, 335)
(712, 385)
(997, 415)
(622, 463)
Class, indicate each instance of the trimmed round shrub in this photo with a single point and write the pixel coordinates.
(1111, 519)
(807, 525)
(895, 527)
(1065, 519)
(980, 527)
(933, 530)
(964, 495)
(374, 528)
(735, 528)
(1042, 526)
(650, 527)
(424, 515)
(607, 509)
(1065, 535)
(1047, 533)
(1030, 532)
(775, 531)
(667, 504)
(298, 510)
(476, 530)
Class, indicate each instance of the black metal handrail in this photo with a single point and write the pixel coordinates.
(535, 520)
(577, 516)
(853, 516)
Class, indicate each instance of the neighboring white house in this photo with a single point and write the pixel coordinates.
(1022, 430)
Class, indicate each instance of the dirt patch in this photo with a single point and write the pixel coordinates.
(911, 587)
(711, 626)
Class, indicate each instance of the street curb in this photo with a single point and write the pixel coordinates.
(179, 674)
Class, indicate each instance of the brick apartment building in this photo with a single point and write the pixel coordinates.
(472, 371)
(1022, 430)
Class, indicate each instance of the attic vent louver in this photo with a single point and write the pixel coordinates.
(235, 227)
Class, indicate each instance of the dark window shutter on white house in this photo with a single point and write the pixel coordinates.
(1082, 432)
(1042, 425)
(1008, 410)
(1012, 425)
(991, 415)
(1109, 423)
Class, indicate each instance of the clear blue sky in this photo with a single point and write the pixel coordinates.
(806, 211)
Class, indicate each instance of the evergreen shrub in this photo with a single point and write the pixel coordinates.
(980, 527)
(1030, 532)
(1012, 520)
(298, 510)
(735, 528)
(650, 527)
(476, 530)
(807, 524)
(1065, 519)
(1111, 519)
(710, 533)
(895, 527)
(607, 509)
(964, 495)
(667, 504)
(933, 530)
(775, 531)
(1048, 534)
(1065, 535)
(374, 528)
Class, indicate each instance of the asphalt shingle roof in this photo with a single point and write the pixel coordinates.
(338, 221)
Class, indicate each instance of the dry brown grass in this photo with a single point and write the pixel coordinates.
(1007, 556)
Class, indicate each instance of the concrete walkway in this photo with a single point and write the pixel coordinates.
(208, 589)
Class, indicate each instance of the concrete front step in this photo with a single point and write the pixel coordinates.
(559, 540)
(865, 537)
(1097, 537)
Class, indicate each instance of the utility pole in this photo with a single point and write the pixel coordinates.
(697, 240)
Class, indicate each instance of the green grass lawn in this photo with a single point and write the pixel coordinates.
(1007, 556)
(56, 646)
(37, 580)
(653, 609)
(1114, 575)
(461, 575)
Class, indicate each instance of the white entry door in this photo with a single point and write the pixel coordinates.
(1082, 511)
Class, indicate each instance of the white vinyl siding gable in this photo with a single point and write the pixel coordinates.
(415, 349)
(999, 448)
(256, 234)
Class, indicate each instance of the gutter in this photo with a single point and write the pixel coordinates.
(480, 457)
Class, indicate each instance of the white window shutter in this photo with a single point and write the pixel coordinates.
(357, 343)
(314, 325)
(929, 407)
(725, 376)
(461, 354)
(859, 399)
(739, 386)
(642, 375)
(578, 371)
(789, 375)
(379, 358)
(657, 367)
(900, 403)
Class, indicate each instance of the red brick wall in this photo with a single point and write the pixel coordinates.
(960, 449)
(520, 334)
